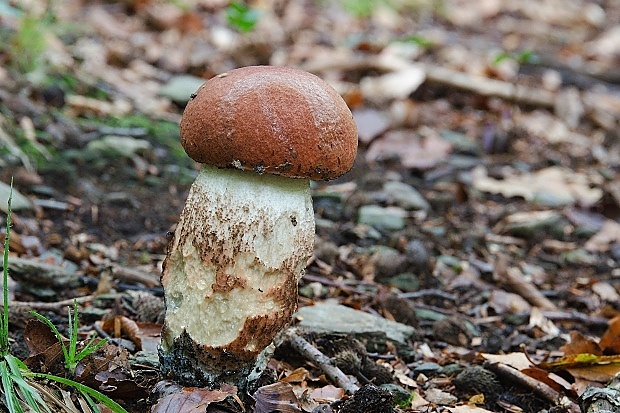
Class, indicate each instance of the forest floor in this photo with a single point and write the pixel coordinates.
(482, 215)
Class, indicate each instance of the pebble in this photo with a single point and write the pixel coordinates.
(18, 201)
(382, 218)
(405, 196)
(180, 88)
(530, 224)
(335, 318)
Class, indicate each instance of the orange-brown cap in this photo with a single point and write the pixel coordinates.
(270, 119)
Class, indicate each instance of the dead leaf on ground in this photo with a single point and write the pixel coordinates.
(610, 341)
(327, 394)
(550, 186)
(608, 235)
(190, 400)
(276, 397)
(413, 150)
(580, 344)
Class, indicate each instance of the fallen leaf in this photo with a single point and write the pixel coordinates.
(466, 408)
(553, 186)
(327, 393)
(395, 85)
(276, 397)
(580, 344)
(610, 341)
(608, 235)
(189, 400)
(121, 326)
(297, 376)
(414, 151)
(517, 360)
(370, 124)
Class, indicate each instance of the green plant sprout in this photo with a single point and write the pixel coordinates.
(521, 57)
(241, 17)
(70, 353)
(17, 394)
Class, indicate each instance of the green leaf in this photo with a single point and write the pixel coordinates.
(10, 398)
(85, 390)
(31, 396)
(4, 323)
(242, 17)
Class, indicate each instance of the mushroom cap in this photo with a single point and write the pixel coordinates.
(270, 119)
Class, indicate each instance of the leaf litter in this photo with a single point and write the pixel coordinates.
(508, 133)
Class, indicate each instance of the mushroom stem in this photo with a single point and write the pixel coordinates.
(231, 272)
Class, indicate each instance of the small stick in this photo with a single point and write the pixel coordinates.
(538, 387)
(58, 305)
(311, 353)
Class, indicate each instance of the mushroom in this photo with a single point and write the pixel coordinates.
(247, 229)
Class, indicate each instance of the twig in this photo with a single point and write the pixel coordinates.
(541, 389)
(337, 284)
(311, 353)
(133, 275)
(432, 292)
(491, 87)
(58, 305)
(515, 281)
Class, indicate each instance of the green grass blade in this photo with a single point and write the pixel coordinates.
(85, 390)
(91, 403)
(4, 325)
(10, 398)
(73, 335)
(30, 395)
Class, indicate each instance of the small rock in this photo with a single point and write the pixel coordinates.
(335, 318)
(405, 282)
(388, 262)
(117, 146)
(461, 142)
(180, 88)
(400, 395)
(405, 196)
(429, 369)
(530, 225)
(578, 256)
(18, 201)
(382, 218)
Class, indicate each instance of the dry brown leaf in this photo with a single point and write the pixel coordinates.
(121, 326)
(610, 341)
(466, 408)
(395, 85)
(276, 397)
(599, 373)
(149, 335)
(602, 241)
(580, 344)
(189, 400)
(517, 360)
(553, 185)
(555, 382)
(327, 393)
(297, 376)
(414, 151)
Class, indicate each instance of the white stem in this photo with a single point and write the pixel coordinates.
(230, 277)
